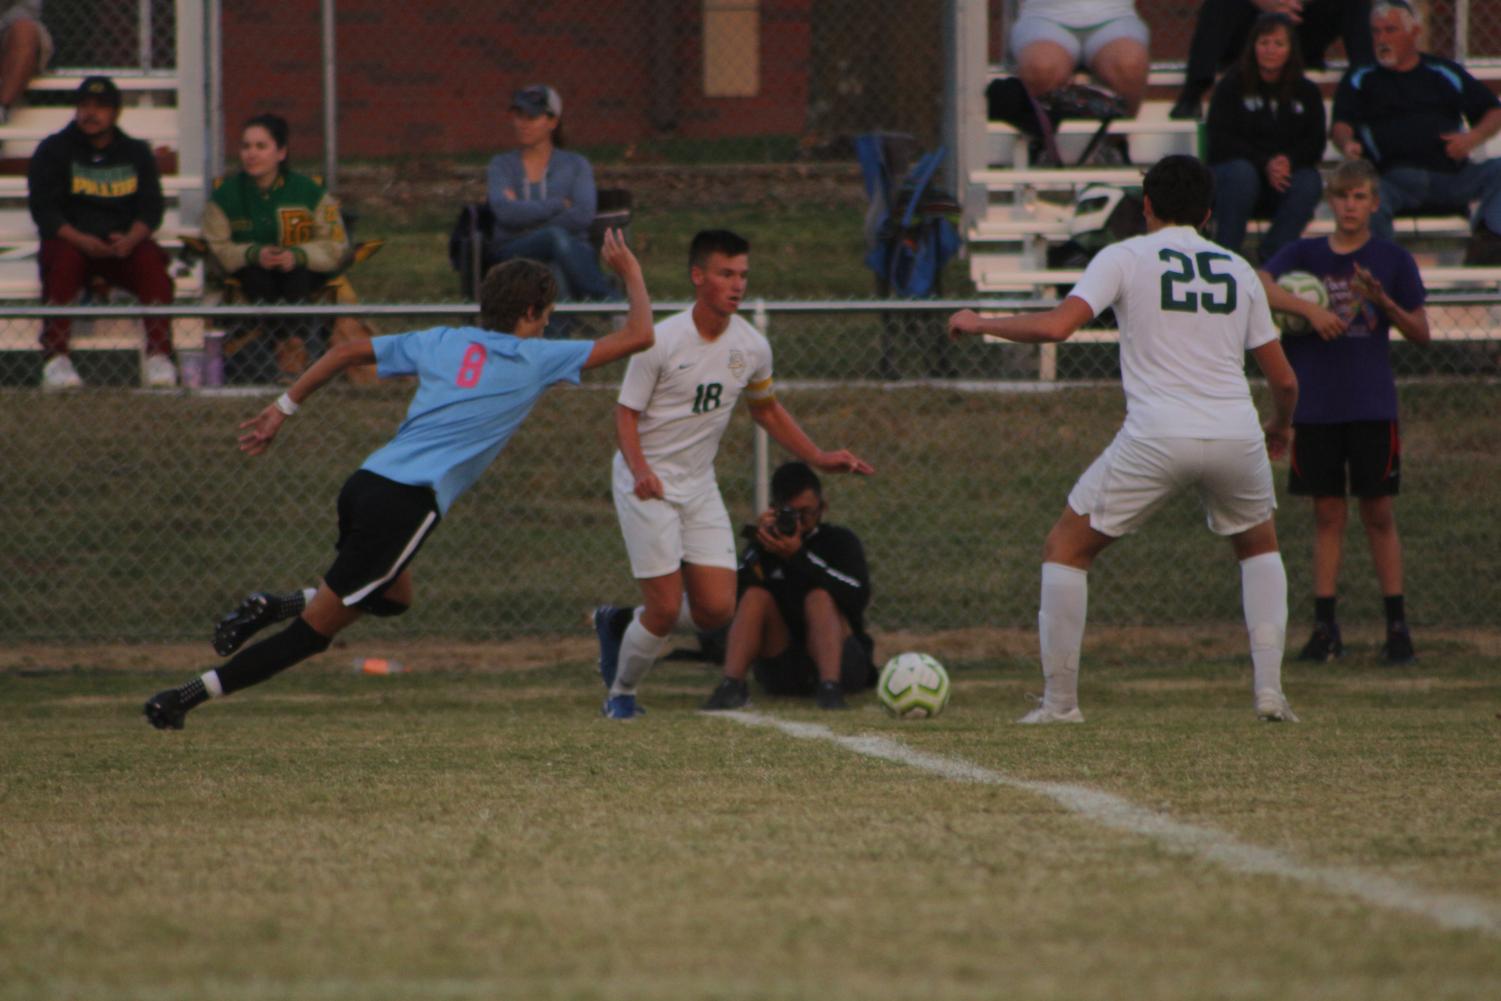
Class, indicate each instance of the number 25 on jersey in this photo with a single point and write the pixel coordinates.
(1184, 269)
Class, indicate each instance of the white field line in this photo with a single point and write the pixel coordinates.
(1448, 910)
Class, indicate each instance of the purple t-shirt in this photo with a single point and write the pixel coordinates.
(1350, 377)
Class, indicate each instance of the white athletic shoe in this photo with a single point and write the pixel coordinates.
(59, 373)
(159, 372)
(1044, 714)
(1272, 707)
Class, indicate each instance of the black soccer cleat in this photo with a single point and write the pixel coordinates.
(165, 710)
(253, 614)
(729, 694)
(1324, 645)
(1398, 646)
(831, 695)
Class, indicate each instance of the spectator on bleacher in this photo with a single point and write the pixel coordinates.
(1051, 39)
(275, 231)
(1345, 426)
(543, 198)
(1266, 138)
(1221, 29)
(1407, 115)
(25, 50)
(96, 196)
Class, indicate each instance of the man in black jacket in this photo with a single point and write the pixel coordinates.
(804, 586)
(96, 197)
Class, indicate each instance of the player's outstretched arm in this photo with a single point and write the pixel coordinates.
(637, 334)
(1326, 324)
(1052, 326)
(261, 429)
(772, 416)
(1284, 388)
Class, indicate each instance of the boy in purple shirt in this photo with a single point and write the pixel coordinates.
(1346, 421)
(475, 385)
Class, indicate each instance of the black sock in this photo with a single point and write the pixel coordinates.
(192, 694)
(286, 606)
(257, 662)
(1395, 612)
(1323, 610)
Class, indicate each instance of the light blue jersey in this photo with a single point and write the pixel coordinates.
(475, 387)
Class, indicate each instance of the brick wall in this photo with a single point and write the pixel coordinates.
(438, 75)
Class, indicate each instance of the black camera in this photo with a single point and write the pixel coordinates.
(786, 521)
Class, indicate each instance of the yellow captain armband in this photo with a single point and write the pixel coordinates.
(760, 393)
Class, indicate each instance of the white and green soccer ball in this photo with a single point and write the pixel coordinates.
(913, 686)
(1309, 288)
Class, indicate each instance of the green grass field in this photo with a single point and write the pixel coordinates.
(472, 830)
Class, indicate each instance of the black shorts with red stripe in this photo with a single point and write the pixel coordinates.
(1359, 458)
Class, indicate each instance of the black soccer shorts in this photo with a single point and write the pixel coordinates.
(1370, 452)
(382, 524)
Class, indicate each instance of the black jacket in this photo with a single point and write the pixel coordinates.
(830, 559)
(1251, 125)
(99, 191)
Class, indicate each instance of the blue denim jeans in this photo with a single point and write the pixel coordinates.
(1412, 189)
(573, 261)
(1241, 193)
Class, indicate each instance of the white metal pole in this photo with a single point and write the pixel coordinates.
(1461, 30)
(143, 33)
(762, 457)
(330, 99)
(214, 114)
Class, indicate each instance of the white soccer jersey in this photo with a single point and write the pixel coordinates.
(685, 388)
(1188, 310)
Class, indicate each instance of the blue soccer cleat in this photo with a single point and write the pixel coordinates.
(621, 707)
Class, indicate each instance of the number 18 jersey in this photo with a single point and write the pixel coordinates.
(1188, 310)
(685, 388)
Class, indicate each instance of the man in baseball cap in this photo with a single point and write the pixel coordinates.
(96, 197)
(100, 89)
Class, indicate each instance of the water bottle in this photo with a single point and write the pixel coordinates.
(213, 358)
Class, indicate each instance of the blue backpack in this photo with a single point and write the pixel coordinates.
(908, 235)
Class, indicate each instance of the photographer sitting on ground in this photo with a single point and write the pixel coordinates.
(800, 620)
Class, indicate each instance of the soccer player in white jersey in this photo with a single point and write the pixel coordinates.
(1188, 311)
(674, 405)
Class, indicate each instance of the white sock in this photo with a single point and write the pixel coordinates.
(1060, 630)
(307, 595)
(639, 650)
(685, 618)
(1263, 595)
(212, 685)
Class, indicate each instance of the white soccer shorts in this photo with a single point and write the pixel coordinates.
(1134, 477)
(661, 535)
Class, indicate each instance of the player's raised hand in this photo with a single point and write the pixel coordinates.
(261, 431)
(843, 461)
(617, 256)
(966, 321)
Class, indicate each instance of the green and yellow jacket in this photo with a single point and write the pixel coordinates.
(295, 213)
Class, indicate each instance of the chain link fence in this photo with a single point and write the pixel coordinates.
(130, 515)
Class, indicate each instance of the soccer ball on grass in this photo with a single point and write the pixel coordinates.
(913, 686)
(1309, 288)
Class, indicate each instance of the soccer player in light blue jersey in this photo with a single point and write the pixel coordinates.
(475, 387)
